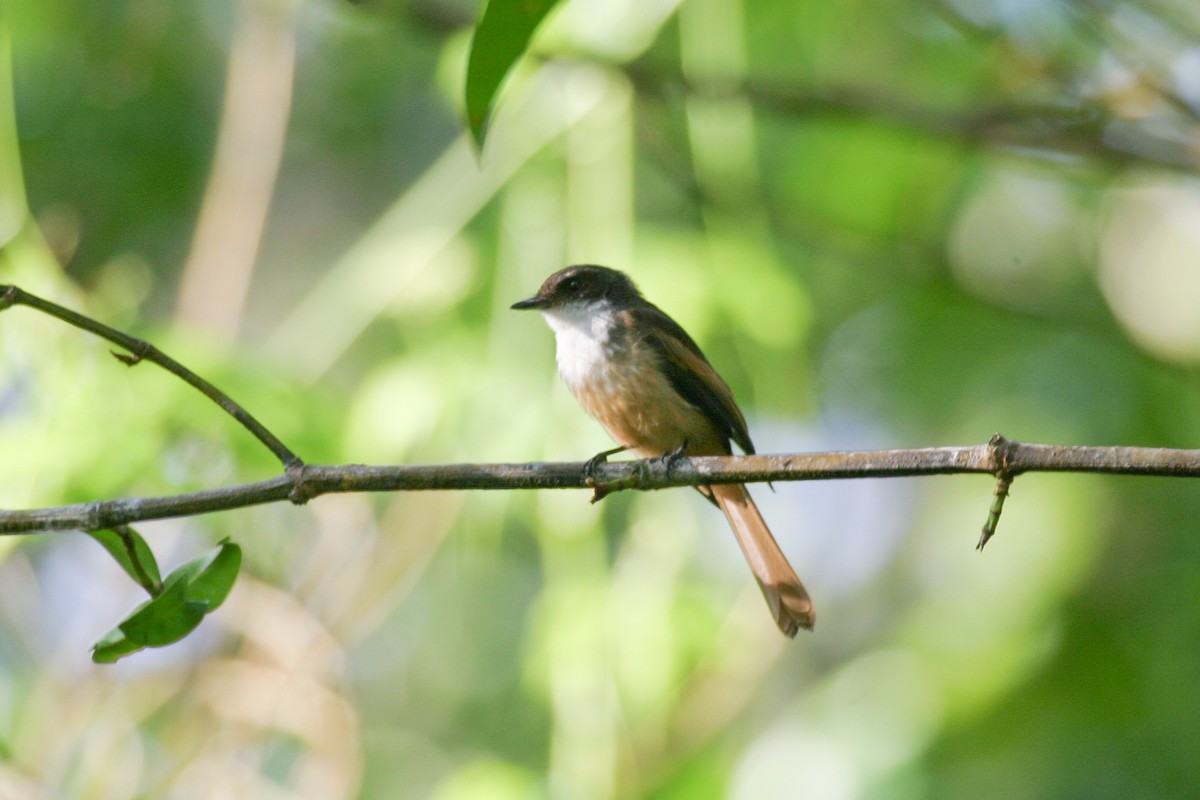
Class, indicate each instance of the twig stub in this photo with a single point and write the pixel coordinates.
(1000, 454)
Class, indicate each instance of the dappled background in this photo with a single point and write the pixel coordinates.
(889, 224)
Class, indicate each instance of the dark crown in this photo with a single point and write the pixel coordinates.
(586, 283)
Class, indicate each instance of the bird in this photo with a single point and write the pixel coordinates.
(646, 381)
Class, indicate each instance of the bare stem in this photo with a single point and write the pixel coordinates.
(141, 350)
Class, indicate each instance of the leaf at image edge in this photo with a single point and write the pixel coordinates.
(501, 37)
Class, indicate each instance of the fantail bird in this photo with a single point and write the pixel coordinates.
(642, 377)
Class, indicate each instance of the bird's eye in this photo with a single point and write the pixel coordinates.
(572, 283)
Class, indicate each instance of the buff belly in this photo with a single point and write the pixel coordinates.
(623, 387)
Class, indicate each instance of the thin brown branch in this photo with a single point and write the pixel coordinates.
(300, 483)
(998, 457)
(141, 350)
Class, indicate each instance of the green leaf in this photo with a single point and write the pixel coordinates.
(501, 37)
(130, 550)
(164, 620)
(113, 647)
(211, 576)
(192, 590)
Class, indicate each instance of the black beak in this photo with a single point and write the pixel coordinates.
(532, 302)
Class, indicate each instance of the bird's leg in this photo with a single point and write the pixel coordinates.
(589, 471)
(589, 466)
(670, 457)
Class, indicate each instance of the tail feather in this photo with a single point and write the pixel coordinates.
(785, 594)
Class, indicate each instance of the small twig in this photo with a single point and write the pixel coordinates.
(300, 485)
(141, 350)
(1000, 450)
(1003, 483)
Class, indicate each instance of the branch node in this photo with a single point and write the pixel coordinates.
(93, 513)
(300, 493)
(603, 490)
(1000, 452)
(639, 472)
(139, 350)
(8, 297)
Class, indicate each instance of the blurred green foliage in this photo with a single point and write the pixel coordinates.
(889, 223)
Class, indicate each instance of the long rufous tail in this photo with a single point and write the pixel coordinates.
(785, 594)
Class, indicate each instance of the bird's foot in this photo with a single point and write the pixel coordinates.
(672, 457)
(599, 490)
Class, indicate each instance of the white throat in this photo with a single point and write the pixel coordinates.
(583, 340)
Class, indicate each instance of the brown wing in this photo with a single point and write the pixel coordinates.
(691, 375)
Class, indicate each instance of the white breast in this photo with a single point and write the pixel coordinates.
(583, 346)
